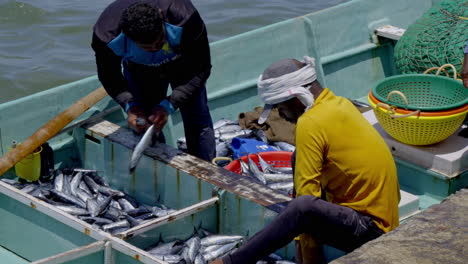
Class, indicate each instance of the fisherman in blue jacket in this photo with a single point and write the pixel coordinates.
(143, 46)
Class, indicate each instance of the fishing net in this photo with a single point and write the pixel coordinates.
(437, 38)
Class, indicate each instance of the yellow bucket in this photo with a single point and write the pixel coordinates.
(30, 167)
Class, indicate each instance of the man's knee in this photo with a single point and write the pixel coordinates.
(305, 203)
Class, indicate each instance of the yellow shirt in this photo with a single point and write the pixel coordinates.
(339, 152)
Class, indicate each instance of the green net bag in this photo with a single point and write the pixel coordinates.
(437, 38)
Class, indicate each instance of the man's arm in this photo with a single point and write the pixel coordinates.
(109, 72)
(464, 73)
(310, 149)
(196, 60)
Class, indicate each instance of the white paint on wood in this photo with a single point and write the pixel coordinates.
(390, 32)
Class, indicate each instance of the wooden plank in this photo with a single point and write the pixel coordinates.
(390, 32)
(73, 254)
(169, 218)
(224, 179)
(91, 119)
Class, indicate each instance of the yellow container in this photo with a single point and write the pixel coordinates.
(415, 129)
(30, 167)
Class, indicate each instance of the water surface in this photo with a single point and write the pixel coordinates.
(45, 43)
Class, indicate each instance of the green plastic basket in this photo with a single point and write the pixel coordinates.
(423, 92)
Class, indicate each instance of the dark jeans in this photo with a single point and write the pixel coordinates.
(338, 226)
(148, 89)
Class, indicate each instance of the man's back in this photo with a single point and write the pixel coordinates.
(343, 155)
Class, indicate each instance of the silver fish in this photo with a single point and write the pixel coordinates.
(199, 259)
(359, 103)
(9, 181)
(219, 240)
(172, 259)
(255, 171)
(75, 183)
(185, 255)
(283, 186)
(144, 143)
(116, 205)
(182, 143)
(73, 210)
(93, 186)
(229, 136)
(273, 177)
(68, 199)
(83, 186)
(266, 168)
(281, 170)
(194, 245)
(37, 193)
(118, 224)
(58, 182)
(118, 230)
(110, 192)
(260, 134)
(244, 168)
(96, 220)
(214, 254)
(222, 149)
(139, 211)
(126, 205)
(66, 184)
(284, 146)
(30, 188)
(227, 129)
(82, 195)
(112, 214)
(159, 212)
(133, 222)
(169, 248)
(145, 216)
(275, 256)
(96, 207)
(223, 122)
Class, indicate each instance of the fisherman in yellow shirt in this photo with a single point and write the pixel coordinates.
(345, 177)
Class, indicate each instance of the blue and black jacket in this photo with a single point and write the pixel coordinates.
(184, 61)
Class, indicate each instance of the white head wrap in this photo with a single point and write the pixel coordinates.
(276, 90)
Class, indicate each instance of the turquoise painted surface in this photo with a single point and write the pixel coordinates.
(23, 230)
(9, 257)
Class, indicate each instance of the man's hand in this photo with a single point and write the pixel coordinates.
(136, 113)
(158, 117)
(464, 73)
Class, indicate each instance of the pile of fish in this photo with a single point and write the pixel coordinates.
(84, 194)
(201, 248)
(277, 178)
(225, 130)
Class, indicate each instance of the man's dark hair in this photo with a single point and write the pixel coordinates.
(142, 23)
